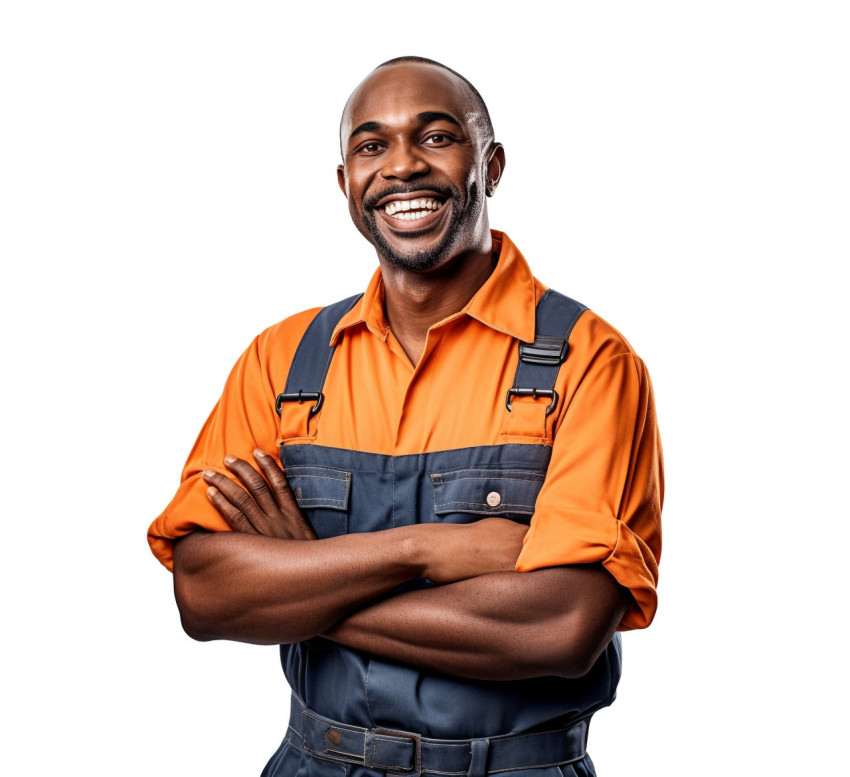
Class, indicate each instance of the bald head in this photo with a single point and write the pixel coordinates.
(418, 161)
(394, 70)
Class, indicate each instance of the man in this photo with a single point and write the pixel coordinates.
(425, 628)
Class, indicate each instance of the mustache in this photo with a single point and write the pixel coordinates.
(372, 200)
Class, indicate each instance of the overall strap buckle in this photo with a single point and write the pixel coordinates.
(538, 365)
(300, 397)
(305, 381)
(533, 392)
(546, 350)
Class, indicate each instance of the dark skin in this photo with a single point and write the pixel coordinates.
(408, 134)
(407, 127)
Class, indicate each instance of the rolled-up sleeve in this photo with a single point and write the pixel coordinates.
(243, 419)
(601, 501)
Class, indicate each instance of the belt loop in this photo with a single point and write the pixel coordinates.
(478, 761)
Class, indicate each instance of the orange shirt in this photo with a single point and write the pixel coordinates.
(601, 500)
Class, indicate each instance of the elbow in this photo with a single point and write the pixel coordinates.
(196, 630)
(578, 663)
(569, 651)
(198, 617)
(195, 618)
(566, 661)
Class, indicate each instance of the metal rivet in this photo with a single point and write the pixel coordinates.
(334, 737)
(494, 499)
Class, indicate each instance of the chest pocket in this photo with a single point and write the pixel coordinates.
(466, 495)
(322, 494)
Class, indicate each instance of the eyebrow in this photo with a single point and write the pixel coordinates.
(426, 117)
(366, 126)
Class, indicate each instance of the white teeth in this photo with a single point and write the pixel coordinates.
(405, 210)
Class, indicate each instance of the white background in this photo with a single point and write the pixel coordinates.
(168, 189)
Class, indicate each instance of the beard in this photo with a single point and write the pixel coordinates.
(465, 212)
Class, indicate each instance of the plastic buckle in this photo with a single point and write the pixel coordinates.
(544, 350)
(302, 396)
(533, 392)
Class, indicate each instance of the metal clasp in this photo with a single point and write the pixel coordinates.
(302, 396)
(533, 392)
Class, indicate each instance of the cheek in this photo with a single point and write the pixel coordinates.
(474, 179)
(354, 211)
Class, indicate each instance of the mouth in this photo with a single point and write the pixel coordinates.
(412, 210)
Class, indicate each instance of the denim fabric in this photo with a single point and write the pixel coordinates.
(342, 491)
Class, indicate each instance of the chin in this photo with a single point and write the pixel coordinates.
(419, 261)
(444, 248)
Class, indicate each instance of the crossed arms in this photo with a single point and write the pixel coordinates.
(270, 581)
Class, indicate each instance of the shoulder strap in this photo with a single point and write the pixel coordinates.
(539, 362)
(313, 357)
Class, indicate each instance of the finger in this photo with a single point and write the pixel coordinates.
(234, 518)
(293, 523)
(277, 480)
(237, 496)
(254, 482)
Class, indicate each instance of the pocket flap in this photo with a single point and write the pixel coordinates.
(319, 487)
(486, 491)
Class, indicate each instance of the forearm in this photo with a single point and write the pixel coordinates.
(265, 590)
(504, 626)
(254, 588)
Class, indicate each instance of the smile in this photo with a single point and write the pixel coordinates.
(411, 210)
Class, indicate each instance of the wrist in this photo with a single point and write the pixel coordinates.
(416, 547)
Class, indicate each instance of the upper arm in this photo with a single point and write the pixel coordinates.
(243, 419)
(601, 501)
(560, 619)
(580, 608)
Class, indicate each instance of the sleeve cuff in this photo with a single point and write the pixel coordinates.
(599, 539)
(190, 500)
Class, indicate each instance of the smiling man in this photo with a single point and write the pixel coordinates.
(466, 505)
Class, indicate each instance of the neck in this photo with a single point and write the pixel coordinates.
(415, 301)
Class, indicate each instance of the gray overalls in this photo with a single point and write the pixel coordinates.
(354, 715)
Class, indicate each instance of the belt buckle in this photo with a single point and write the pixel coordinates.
(416, 768)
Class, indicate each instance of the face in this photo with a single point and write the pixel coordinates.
(416, 165)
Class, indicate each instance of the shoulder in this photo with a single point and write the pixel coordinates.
(286, 334)
(600, 355)
(594, 338)
(591, 338)
(271, 352)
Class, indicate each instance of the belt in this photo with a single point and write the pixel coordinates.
(407, 753)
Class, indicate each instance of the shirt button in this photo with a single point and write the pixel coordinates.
(298, 494)
(494, 499)
(333, 737)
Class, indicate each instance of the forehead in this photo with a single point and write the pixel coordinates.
(396, 94)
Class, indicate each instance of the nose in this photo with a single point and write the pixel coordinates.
(404, 161)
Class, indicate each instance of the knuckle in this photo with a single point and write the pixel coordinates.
(242, 501)
(283, 488)
(258, 485)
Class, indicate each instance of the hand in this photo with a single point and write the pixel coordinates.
(456, 552)
(267, 507)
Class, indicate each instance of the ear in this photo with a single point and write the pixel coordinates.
(495, 167)
(340, 177)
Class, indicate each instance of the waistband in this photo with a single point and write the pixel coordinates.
(408, 753)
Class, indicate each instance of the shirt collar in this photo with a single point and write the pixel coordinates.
(505, 302)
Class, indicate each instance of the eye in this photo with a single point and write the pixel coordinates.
(437, 139)
(372, 147)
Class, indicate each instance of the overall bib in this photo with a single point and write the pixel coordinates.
(354, 715)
